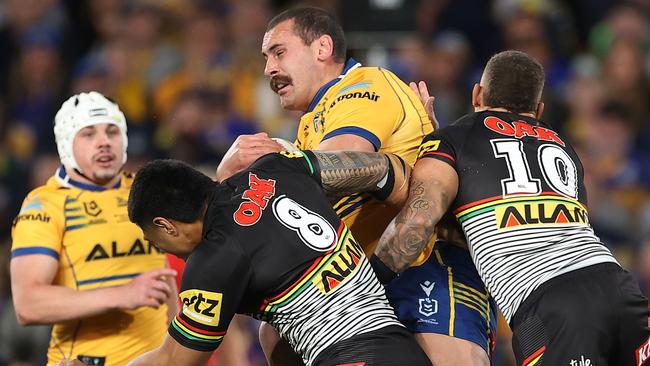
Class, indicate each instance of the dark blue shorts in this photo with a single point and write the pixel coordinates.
(445, 295)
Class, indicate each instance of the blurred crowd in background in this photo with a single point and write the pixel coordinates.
(188, 74)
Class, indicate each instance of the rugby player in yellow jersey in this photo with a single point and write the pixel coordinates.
(77, 262)
(350, 107)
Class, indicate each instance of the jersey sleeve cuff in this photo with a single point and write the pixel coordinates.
(18, 252)
(194, 338)
(440, 156)
(358, 131)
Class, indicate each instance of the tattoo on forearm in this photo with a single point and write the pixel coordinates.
(412, 229)
(347, 172)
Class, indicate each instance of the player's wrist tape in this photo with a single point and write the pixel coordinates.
(387, 183)
(384, 274)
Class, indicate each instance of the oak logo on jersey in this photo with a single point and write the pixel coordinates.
(256, 198)
(100, 251)
(544, 213)
(520, 129)
(202, 306)
(429, 146)
(643, 353)
(92, 208)
(341, 266)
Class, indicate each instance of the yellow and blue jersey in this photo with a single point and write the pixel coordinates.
(87, 230)
(373, 103)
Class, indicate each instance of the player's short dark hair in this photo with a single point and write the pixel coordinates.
(514, 81)
(309, 23)
(170, 189)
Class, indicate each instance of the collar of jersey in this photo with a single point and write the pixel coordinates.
(350, 65)
(65, 180)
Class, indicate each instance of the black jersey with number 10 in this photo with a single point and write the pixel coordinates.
(274, 248)
(521, 202)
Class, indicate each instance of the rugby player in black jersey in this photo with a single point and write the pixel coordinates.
(516, 187)
(267, 243)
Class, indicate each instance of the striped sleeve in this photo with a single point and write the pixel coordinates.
(38, 227)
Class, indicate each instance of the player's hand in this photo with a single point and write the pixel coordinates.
(148, 289)
(422, 92)
(244, 151)
(70, 363)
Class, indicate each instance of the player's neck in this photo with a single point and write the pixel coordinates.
(499, 109)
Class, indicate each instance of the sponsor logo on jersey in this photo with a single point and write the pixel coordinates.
(342, 265)
(100, 251)
(122, 202)
(520, 129)
(643, 353)
(355, 95)
(92, 360)
(39, 217)
(202, 306)
(544, 213)
(428, 146)
(34, 203)
(256, 198)
(317, 118)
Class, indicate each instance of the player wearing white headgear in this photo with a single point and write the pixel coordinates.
(77, 262)
(101, 147)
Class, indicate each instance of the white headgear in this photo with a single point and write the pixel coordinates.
(80, 111)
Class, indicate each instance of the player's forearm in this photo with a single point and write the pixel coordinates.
(152, 358)
(48, 304)
(171, 352)
(345, 172)
(412, 229)
(172, 301)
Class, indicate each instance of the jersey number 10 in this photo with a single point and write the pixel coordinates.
(558, 169)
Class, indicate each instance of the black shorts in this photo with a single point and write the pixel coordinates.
(591, 316)
(389, 346)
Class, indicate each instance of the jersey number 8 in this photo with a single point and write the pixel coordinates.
(311, 228)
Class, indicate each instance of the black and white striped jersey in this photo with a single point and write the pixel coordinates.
(274, 248)
(521, 202)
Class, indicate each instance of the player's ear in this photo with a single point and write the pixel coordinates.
(324, 47)
(540, 110)
(165, 225)
(477, 96)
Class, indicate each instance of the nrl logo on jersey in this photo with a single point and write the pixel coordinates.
(544, 213)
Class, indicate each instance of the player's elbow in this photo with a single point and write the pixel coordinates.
(423, 221)
(25, 316)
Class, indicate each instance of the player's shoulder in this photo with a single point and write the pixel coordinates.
(51, 192)
(127, 179)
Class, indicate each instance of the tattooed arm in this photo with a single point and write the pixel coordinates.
(433, 187)
(346, 172)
